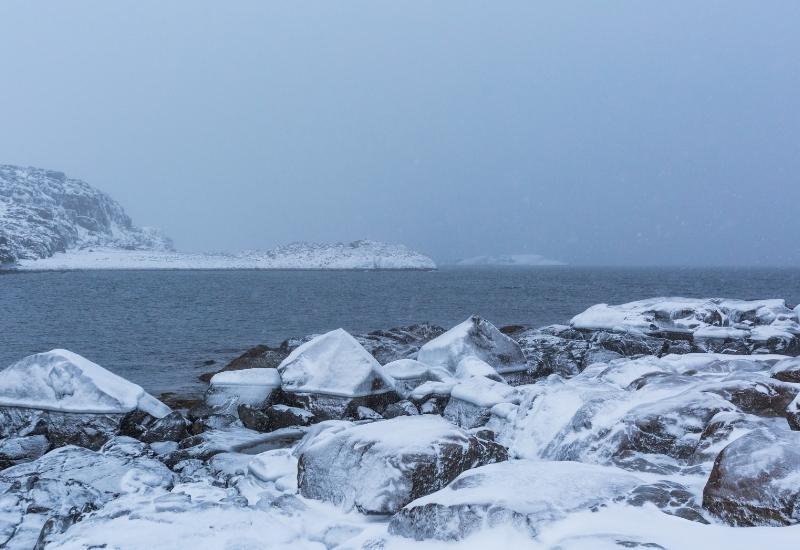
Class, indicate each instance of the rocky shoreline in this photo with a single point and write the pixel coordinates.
(674, 420)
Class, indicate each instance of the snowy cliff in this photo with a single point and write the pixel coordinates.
(43, 212)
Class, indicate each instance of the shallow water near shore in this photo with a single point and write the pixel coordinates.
(161, 329)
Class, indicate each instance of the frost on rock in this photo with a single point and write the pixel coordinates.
(478, 338)
(252, 387)
(523, 493)
(332, 374)
(712, 325)
(755, 480)
(69, 398)
(379, 467)
(70, 481)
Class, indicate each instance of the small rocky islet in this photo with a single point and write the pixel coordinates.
(667, 422)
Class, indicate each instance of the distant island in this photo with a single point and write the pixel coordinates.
(510, 260)
(51, 222)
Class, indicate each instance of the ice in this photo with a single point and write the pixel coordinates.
(333, 364)
(62, 381)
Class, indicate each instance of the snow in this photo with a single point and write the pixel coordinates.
(358, 255)
(333, 364)
(713, 317)
(559, 485)
(404, 369)
(477, 338)
(60, 380)
(512, 260)
(483, 392)
(247, 386)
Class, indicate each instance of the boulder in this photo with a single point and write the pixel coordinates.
(793, 414)
(754, 480)
(70, 481)
(146, 428)
(252, 387)
(16, 450)
(478, 338)
(274, 417)
(232, 440)
(491, 495)
(379, 467)
(409, 374)
(472, 399)
(332, 374)
(787, 370)
(401, 408)
(69, 399)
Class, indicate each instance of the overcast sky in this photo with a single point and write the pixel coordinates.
(591, 132)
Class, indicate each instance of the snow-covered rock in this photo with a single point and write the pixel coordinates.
(472, 399)
(787, 370)
(713, 325)
(71, 399)
(379, 467)
(43, 212)
(274, 417)
(524, 493)
(358, 255)
(253, 387)
(409, 374)
(70, 481)
(332, 374)
(478, 338)
(509, 260)
(755, 480)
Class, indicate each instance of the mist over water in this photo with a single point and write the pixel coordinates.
(641, 135)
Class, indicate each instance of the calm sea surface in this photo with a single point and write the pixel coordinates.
(159, 328)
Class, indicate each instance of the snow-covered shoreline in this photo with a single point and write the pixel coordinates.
(616, 431)
(359, 255)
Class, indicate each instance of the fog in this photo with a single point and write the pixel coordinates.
(636, 133)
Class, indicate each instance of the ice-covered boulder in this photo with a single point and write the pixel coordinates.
(478, 338)
(70, 481)
(717, 325)
(332, 374)
(69, 398)
(787, 370)
(16, 450)
(409, 374)
(253, 387)
(472, 399)
(524, 493)
(755, 480)
(379, 467)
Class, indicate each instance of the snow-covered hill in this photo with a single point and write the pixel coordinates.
(355, 255)
(43, 212)
(511, 260)
(49, 221)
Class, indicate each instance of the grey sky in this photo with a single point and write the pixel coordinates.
(592, 132)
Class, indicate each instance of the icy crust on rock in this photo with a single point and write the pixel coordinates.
(525, 493)
(252, 387)
(652, 410)
(379, 467)
(63, 381)
(358, 255)
(478, 338)
(43, 212)
(333, 364)
(705, 318)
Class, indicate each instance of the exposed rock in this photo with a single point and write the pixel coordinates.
(16, 450)
(142, 426)
(489, 496)
(274, 417)
(379, 467)
(754, 480)
(401, 408)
